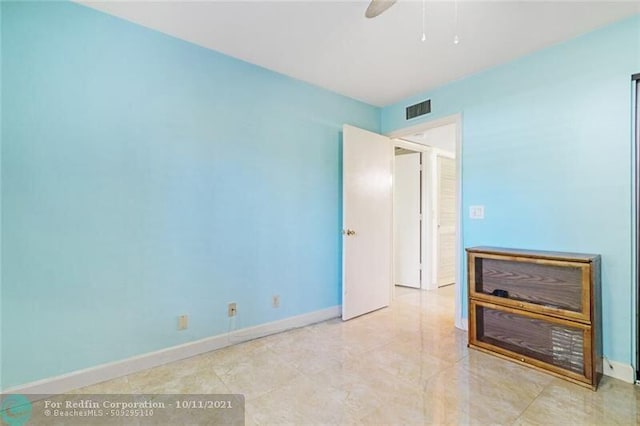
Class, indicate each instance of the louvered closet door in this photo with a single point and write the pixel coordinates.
(446, 219)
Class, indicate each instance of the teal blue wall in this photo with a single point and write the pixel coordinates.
(546, 148)
(143, 178)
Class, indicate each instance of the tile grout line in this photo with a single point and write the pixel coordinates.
(532, 401)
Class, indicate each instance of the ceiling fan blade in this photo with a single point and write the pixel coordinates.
(376, 7)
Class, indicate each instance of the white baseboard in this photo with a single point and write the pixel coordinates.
(618, 370)
(89, 376)
(462, 323)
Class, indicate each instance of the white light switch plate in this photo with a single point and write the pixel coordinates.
(476, 212)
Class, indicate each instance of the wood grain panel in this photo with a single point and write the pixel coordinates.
(555, 286)
(555, 344)
(536, 254)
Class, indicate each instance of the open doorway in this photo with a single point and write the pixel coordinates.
(434, 147)
(407, 218)
(367, 243)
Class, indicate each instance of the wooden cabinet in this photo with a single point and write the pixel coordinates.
(537, 308)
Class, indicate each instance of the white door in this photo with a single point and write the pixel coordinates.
(446, 221)
(367, 160)
(406, 218)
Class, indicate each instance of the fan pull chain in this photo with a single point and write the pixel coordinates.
(456, 39)
(424, 5)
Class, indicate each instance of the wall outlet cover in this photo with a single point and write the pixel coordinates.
(183, 322)
(232, 310)
(476, 212)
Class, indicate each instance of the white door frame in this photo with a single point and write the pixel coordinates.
(428, 125)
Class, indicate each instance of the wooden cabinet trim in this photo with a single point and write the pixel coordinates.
(533, 315)
(588, 319)
(583, 316)
(535, 254)
(524, 359)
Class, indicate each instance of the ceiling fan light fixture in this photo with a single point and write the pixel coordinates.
(376, 7)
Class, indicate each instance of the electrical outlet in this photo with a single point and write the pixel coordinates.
(183, 322)
(275, 301)
(232, 311)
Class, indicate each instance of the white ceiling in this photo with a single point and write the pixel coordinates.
(380, 60)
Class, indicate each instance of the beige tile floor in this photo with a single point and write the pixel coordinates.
(405, 364)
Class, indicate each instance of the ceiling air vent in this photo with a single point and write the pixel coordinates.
(417, 110)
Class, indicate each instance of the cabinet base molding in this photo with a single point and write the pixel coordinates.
(535, 367)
